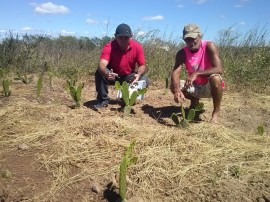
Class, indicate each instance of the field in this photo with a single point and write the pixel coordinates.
(52, 152)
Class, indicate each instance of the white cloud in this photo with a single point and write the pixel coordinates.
(141, 33)
(27, 28)
(222, 16)
(91, 21)
(180, 6)
(3, 31)
(241, 3)
(157, 17)
(200, 1)
(65, 32)
(238, 6)
(49, 7)
(242, 23)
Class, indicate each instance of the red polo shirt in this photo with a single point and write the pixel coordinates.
(123, 63)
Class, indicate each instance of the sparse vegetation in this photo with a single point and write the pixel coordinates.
(260, 129)
(70, 149)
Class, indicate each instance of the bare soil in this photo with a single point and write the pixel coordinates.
(53, 152)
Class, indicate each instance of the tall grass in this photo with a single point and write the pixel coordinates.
(245, 57)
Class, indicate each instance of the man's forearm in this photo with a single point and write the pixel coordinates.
(208, 72)
(141, 70)
(175, 82)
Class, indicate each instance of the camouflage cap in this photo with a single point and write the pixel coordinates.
(191, 30)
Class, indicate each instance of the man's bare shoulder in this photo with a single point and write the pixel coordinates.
(211, 46)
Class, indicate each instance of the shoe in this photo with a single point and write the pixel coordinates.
(101, 104)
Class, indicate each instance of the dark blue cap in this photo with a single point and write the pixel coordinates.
(123, 30)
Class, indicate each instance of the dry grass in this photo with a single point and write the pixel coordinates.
(75, 147)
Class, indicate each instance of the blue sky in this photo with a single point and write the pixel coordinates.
(96, 18)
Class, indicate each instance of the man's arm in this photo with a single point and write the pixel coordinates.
(175, 76)
(141, 64)
(102, 66)
(213, 54)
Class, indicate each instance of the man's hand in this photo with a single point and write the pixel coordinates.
(179, 97)
(111, 75)
(136, 77)
(190, 79)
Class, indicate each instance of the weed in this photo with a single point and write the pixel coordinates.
(260, 129)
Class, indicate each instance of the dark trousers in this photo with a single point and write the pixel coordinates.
(102, 84)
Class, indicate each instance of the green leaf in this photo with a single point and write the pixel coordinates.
(130, 148)
(199, 106)
(183, 112)
(184, 123)
(191, 114)
(39, 84)
(1, 73)
(142, 91)
(127, 160)
(133, 160)
(260, 130)
(175, 119)
(127, 110)
(133, 98)
(69, 83)
(6, 84)
(118, 85)
(122, 178)
(73, 92)
(125, 93)
(79, 92)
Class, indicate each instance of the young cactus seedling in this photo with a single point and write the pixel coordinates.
(129, 100)
(24, 78)
(39, 85)
(184, 123)
(127, 160)
(166, 85)
(6, 83)
(75, 92)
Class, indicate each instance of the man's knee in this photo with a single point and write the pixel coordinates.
(215, 82)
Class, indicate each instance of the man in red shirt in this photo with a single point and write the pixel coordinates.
(121, 60)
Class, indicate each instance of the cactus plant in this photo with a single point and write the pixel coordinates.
(6, 83)
(24, 78)
(126, 161)
(39, 84)
(75, 92)
(184, 123)
(129, 100)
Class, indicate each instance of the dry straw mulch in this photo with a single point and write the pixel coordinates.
(69, 150)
